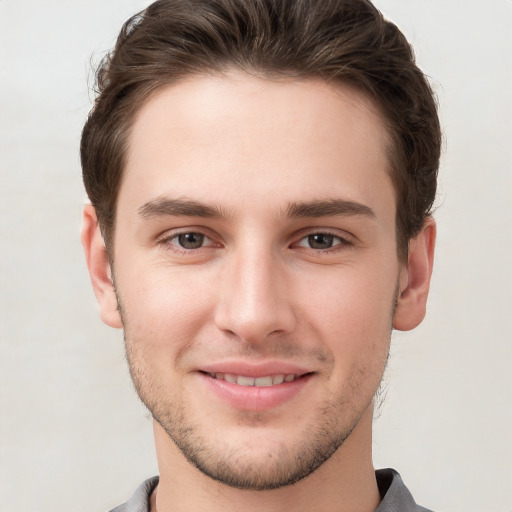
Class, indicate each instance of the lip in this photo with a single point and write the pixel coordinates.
(252, 398)
(255, 370)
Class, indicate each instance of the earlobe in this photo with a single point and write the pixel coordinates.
(415, 279)
(99, 268)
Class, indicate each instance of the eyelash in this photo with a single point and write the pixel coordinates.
(339, 242)
(167, 242)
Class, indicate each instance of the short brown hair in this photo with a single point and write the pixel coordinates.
(346, 41)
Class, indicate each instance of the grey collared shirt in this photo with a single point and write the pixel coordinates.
(395, 495)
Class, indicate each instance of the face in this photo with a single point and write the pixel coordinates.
(256, 270)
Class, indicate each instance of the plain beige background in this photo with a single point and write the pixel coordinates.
(72, 433)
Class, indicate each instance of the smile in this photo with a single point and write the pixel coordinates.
(250, 388)
(259, 382)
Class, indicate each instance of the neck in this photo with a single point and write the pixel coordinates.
(345, 482)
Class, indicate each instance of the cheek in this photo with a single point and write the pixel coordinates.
(353, 318)
(164, 307)
(354, 301)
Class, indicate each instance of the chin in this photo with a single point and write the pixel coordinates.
(256, 456)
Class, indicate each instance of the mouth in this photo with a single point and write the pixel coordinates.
(255, 389)
(258, 382)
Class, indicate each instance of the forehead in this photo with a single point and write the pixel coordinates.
(215, 137)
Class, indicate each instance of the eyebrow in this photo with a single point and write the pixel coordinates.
(329, 208)
(163, 206)
(178, 207)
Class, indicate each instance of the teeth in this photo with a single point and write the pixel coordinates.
(279, 379)
(245, 381)
(263, 382)
(259, 382)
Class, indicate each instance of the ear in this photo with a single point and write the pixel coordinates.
(99, 268)
(414, 280)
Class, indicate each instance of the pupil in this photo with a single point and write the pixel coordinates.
(191, 240)
(320, 241)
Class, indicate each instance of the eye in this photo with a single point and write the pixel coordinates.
(190, 240)
(321, 241)
(189, 245)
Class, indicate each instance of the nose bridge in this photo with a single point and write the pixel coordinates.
(254, 301)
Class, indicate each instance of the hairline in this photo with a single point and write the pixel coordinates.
(143, 95)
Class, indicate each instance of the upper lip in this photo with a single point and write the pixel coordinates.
(255, 369)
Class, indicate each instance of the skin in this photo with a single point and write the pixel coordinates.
(232, 160)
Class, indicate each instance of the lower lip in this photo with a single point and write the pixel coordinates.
(252, 398)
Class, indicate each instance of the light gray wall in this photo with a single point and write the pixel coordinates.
(72, 434)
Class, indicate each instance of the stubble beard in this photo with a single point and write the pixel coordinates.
(229, 465)
(273, 470)
(320, 439)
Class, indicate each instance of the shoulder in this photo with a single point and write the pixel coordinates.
(139, 502)
(395, 495)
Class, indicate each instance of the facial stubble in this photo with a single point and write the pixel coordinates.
(325, 433)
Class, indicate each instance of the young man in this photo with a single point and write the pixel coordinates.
(261, 174)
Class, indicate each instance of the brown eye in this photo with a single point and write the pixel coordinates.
(191, 240)
(321, 241)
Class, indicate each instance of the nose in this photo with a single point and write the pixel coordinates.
(255, 302)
